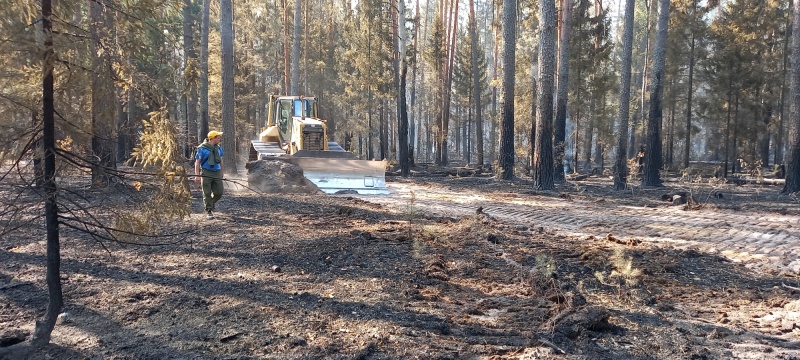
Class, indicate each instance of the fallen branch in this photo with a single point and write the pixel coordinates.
(550, 344)
(790, 287)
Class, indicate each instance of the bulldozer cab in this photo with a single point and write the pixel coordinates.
(283, 121)
(289, 107)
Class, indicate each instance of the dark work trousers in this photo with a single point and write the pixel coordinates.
(212, 187)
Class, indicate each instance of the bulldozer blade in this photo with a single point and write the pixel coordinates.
(339, 175)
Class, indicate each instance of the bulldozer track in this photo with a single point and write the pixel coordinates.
(759, 239)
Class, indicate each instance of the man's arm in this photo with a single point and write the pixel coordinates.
(197, 170)
(221, 164)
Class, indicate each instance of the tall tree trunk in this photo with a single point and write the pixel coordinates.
(448, 81)
(295, 84)
(190, 64)
(287, 87)
(402, 107)
(793, 165)
(202, 127)
(543, 154)
(688, 146)
(305, 48)
(652, 155)
(103, 137)
(507, 95)
(402, 126)
(476, 87)
(414, 118)
(621, 161)
(44, 329)
(560, 125)
(781, 125)
(228, 114)
(493, 139)
(645, 45)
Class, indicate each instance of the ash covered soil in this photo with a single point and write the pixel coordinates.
(341, 277)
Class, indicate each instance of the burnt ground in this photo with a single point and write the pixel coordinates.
(340, 277)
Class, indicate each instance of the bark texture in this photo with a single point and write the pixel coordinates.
(543, 153)
(228, 115)
(559, 128)
(652, 155)
(793, 165)
(621, 161)
(507, 90)
(44, 328)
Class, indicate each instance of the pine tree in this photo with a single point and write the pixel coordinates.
(652, 157)
(621, 163)
(560, 124)
(543, 152)
(507, 93)
(228, 111)
(792, 184)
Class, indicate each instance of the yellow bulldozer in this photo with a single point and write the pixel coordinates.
(294, 133)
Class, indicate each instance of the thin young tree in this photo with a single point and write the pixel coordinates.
(792, 184)
(44, 328)
(621, 162)
(560, 125)
(543, 152)
(228, 125)
(652, 155)
(507, 90)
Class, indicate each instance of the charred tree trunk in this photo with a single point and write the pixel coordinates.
(543, 156)
(228, 119)
(560, 126)
(621, 161)
(402, 106)
(652, 155)
(44, 329)
(507, 96)
(793, 165)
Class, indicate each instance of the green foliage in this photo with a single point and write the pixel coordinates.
(593, 80)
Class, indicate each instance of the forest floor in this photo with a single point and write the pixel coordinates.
(444, 268)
